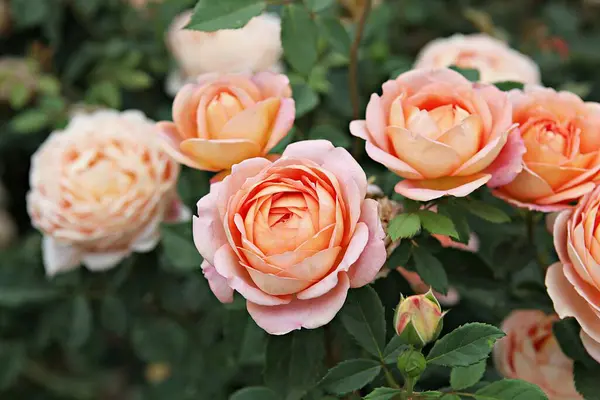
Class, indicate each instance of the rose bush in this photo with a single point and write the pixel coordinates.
(223, 119)
(291, 236)
(574, 282)
(560, 132)
(100, 189)
(530, 352)
(442, 134)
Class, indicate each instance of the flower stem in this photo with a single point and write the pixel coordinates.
(353, 72)
(389, 377)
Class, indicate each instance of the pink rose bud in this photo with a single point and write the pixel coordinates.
(419, 319)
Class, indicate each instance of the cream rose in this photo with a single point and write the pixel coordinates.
(494, 59)
(255, 47)
(100, 189)
(531, 352)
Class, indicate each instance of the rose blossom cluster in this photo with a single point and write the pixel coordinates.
(293, 234)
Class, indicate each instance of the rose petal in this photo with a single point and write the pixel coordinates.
(282, 124)
(375, 123)
(171, 145)
(314, 150)
(530, 206)
(561, 235)
(393, 163)
(310, 314)
(102, 261)
(208, 231)
(592, 346)
(59, 257)
(509, 163)
(220, 154)
(426, 190)
(218, 284)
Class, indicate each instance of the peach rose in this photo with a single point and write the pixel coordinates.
(255, 47)
(291, 236)
(562, 136)
(494, 59)
(530, 352)
(574, 282)
(222, 120)
(442, 134)
(99, 190)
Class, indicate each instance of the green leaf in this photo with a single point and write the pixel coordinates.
(400, 255)
(430, 269)
(294, 362)
(13, 358)
(383, 393)
(566, 332)
(31, 120)
(105, 93)
(458, 215)
(449, 396)
(586, 380)
(350, 375)
(81, 322)
(49, 84)
(509, 85)
(28, 13)
(393, 349)
(336, 34)
(363, 318)
(336, 136)
(437, 223)
(318, 5)
(15, 296)
(430, 395)
(299, 38)
(19, 95)
(487, 212)
(254, 393)
(305, 98)
(210, 15)
(136, 80)
(404, 226)
(470, 74)
(113, 315)
(158, 340)
(510, 389)
(178, 246)
(465, 377)
(464, 346)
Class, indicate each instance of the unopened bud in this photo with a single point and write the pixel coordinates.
(411, 363)
(418, 319)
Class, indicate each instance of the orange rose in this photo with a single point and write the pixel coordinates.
(442, 134)
(224, 119)
(562, 136)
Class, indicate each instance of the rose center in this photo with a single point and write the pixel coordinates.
(220, 110)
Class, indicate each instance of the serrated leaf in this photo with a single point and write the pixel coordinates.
(383, 393)
(510, 389)
(305, 98)
(437, 223)
(336, 34)
(465, 377)
(470, 74)
(113, 314)
(509, 85)
(350, 375)
(178, 246)
(430, 269)
(210, 15)
(364, 319)
(459, 218)
(404, 226)
(293, 362)
(586, 380)
(254, 393)
(464, 346)
(393, 349)
(487, 212)
(81, 322)
(299, 38)
(400, 255)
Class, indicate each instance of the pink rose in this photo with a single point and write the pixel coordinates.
(442, 134)
(562, 135)
(254, 48)
(493, 58)
(291, 236)
(574, 282)
(100, 189)
(531, 352)
(222, 120)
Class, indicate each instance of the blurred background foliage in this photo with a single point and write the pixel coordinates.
(150, 329)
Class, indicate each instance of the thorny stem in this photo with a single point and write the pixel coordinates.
(353, 72)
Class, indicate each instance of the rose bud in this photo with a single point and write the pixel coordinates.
(419, 319)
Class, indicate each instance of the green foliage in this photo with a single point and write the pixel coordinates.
(404, 226)
(430, 269)
(586, 380)
(466, 345)
(465, 377)
(350, 375)
(363, 317)
(224, 14)
(383, 393)
(510, 389)
(299, 37)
